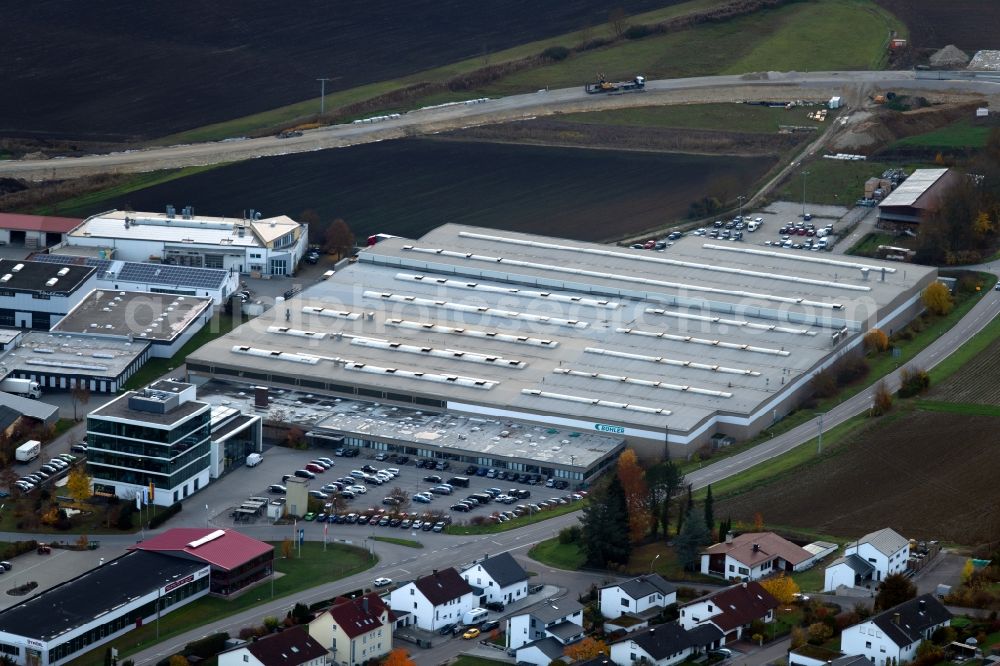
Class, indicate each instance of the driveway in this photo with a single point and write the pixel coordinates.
(945, 569)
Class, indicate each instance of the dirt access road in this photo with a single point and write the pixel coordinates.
(774, 85)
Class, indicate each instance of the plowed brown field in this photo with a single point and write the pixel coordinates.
(928, 475)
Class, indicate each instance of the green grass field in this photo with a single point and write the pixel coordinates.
(868, 244)
(725, 117)
(529, 519)
(409, 543)
(962, 134)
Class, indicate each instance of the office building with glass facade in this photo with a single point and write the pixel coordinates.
(155, 441)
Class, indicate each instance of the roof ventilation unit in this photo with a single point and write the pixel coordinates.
(62, 271)
(17, 268)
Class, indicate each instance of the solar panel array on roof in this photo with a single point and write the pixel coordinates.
(102, 265)
(204, 278)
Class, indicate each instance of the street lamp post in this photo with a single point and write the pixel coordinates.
(741, 199)
(804, 174)
(653, 561)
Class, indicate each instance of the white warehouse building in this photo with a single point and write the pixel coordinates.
(271, 246)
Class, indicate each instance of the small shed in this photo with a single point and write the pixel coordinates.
(834, 103)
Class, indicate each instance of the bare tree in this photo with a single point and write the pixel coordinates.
(339, 238)
(616, 19)
(402, 499)
(80, 395)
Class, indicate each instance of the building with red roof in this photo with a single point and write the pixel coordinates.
(236, 560)
(35, 231)
(730, 609)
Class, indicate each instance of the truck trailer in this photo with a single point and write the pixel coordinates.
(28, 451)
(22, 387)
(638, 84)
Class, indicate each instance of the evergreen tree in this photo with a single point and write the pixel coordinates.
(605, 527)
(709, 515)
(662, 482)
(690, 540)
(690, 502)
(665, 517)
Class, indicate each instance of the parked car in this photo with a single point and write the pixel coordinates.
(472, 632)
(304, 474)
(495, 606)
(446, 629)
(79, 447)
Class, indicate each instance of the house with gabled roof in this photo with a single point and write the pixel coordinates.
(754, 555)
(561, 619)
(642, 597)
(291, 647)
(355, 630)
(434, 601)
(501, 579)
(731, 610)
(886, 550)
(664, 644)
(893, 635)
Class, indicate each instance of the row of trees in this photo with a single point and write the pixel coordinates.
(637, 505)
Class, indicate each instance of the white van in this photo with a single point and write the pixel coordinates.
(327, 275)
(475, 616)
(752, 225)
(254, 459)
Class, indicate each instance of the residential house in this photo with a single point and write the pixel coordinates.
(434, 601)
(291, 647)
(893, 635)
(541, 652)
(501, 579)
(753, 556)
(663, 644)
(354, 630)
(561, 620)
(641, 597)
(731, 610)
(885, 551)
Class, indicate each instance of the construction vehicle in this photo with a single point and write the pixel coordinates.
(638, 84)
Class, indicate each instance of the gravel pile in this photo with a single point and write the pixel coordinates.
(949, 56)
(988, 61)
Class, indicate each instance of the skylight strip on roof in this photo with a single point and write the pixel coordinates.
(797, 257)
(483, 311)
(704, 341)
(453, 354)
(597, 402)
(459, 380)
(472, 333)
(742, 323)
(513, 291)
(326, 312)
(299, 333)
(643, 382)
(624, 278)
(276, 354)
(670, 361)
(664, 261)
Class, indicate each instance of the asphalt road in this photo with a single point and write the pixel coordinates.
(782, 85)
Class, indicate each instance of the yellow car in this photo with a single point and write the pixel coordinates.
(471, 633)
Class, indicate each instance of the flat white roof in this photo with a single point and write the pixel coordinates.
(913, 187)
(71, 354)
(528, 324)
(199, 230)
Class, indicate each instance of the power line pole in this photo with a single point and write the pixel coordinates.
(819, 441)
(322, 95)
(804, 174)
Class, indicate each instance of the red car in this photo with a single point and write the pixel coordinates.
(315, 469)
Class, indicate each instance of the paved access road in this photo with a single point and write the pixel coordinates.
(791, 85)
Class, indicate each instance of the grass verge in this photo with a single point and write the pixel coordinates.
(530, 519)
(960, 134)
(409, 543)
(964, 354)
(723, 117)
(219, 325)
(833, 182)
(469, 660)
(868, 244)
(315, 567)
(878, 368)
(83, 204)
(294, 113)
(567, 556)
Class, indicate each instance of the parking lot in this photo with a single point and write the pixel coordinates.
(408, 480)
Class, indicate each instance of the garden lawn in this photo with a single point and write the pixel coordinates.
(313, 568)
(469, 660)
